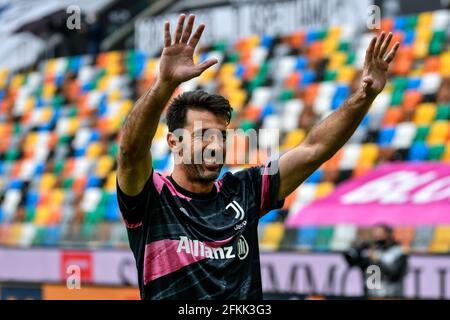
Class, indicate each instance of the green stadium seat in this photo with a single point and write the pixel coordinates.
(324, 236)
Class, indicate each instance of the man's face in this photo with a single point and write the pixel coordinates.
(379, 234)
(203, 145)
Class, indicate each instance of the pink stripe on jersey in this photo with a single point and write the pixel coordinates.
(265, 196)
(159, 181)
(132, 225)
(161, 257)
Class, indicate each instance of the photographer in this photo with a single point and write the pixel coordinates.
(385, 253)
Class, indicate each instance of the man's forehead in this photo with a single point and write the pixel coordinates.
(203, 119)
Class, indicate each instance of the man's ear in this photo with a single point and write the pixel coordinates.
(175, 143)
(172, 140)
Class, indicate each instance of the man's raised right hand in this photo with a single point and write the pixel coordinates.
(177, 64)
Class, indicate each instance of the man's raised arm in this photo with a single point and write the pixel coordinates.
(328, 136)
(176, 66)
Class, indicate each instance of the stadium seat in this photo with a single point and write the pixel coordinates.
(323, 239)
(404, 235)
(418, 152)
(404, 135)
(289, 239)
(343, 236)
(422, 238)
(441, 240)
(425, 113)
(385, 137)
(306, 238)
(439, 132)
(273, 234)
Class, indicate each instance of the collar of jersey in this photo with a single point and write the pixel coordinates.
(194, 195)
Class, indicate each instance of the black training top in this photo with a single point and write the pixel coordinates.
(200, 245)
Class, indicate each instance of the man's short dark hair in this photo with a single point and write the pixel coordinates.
(199, 100)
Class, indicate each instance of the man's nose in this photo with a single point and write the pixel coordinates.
(215, 143)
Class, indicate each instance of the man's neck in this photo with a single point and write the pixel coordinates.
(192, 186)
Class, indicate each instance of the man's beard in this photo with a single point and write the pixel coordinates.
(197, 173)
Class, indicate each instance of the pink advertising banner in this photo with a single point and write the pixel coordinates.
(395, 193)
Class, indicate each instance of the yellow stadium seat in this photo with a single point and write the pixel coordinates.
(439, 132)
(420, 49)
(111, 182)
(31, 139)
(17, 81)
(93, 150)
(337, 60)
(423, 34)
(46, 115)
(444, 69)
(442, 232)
(29, 104)
(206, 76)
(47, 181)
(3, 77)
(441, 240)
(50, 67)
(439, 247)
(114, 124)
(151, 67)
(125, 108)
(161, 131)
(346, 74)
(272, 236)
(425, 20)
(425, 113)
(293, 138)
(446, 155)
(253, 41)
(104, 165)
(323, 189)
(113, 69)
(237, 99)
(231, 83)
(330, 45)
(226, 71)
(57, 196)
(369, 154)
(42, 215)
(113, 57)
(102, 84)
(15, 234)
(334, 33)
(417, 72)
(48, 90)
(113, 96)
(74, 125)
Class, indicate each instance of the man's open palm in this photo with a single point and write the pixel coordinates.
(177, 64)
(377, 63)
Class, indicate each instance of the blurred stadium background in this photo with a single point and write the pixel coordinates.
(64, 94)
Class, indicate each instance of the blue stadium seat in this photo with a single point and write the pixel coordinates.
(51, 236)
(306, 237)
(266, 41)
(301, 63)
(270, 216)
(418, 152)
(315, 177)
(93, 181)
(385, 136)
(413, 83)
